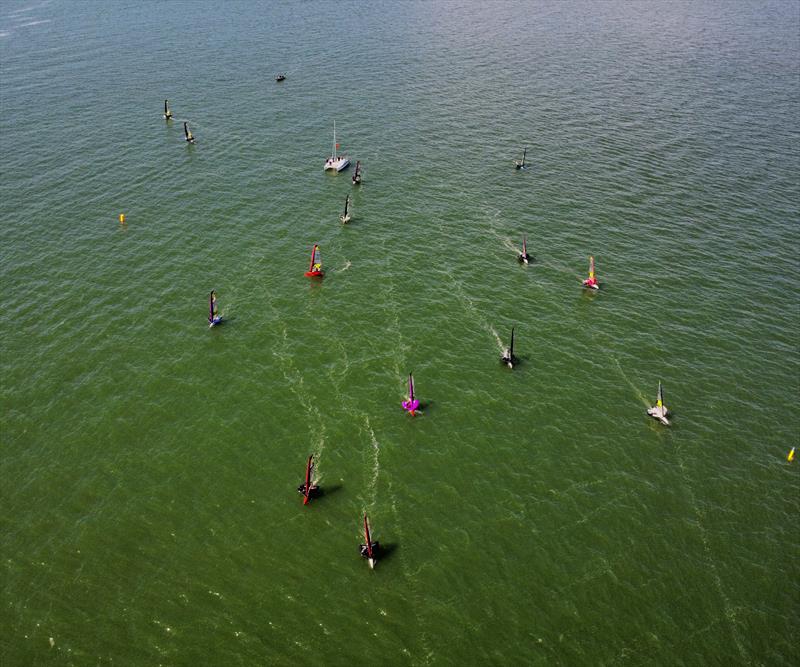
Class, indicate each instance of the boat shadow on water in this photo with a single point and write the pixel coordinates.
(386, 551)
(328, 490)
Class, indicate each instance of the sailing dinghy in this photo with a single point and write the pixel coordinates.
(508, 357)
(315, 266)
(308, 488)
(336, 162)
(591, 281)
(345, 217)
(167, 112)
(370, 549)
(659, 410)
(524, 257)
(412, 404)
(213, 314)
(188, 133)
(520, 164)
(357, 174)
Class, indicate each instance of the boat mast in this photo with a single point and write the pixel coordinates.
(333, 151)
(307, 488)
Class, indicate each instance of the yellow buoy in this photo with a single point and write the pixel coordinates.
(791, 455)
(122, 217)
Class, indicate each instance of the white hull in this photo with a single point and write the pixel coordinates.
(371, 562)
(660, 414)
(336, 163)
(345, 218)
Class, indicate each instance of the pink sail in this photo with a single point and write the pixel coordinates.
(412, 403)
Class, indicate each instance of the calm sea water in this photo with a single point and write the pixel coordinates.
(536, 517)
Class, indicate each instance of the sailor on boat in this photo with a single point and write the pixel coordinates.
(508, 357)
(659, 410)
(315, 264)
(524, 257)
(412, 404)
(336, 162)
(187, 132)
(591, 281)
(167, 112)
(308, 488)
(370, 549)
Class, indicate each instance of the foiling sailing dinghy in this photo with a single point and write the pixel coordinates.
(524, 257)
(659, 410)
(370, 549)
(308, 488)
(213, 313)
(412, 404)
(315, 266)
(591, 281)
(508, 357)
(346, 217)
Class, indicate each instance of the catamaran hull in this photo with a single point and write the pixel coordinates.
(345, 219)
(337, 165)
(214, 322)
(661, 416)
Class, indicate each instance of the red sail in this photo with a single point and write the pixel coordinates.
(367, 537)
(307, 486)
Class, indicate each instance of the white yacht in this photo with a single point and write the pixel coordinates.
(336, 162)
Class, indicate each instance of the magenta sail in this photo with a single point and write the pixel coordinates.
(412, 403)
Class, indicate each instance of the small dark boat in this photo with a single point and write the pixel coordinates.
(508, 357)
(357, 174)
(280, 77)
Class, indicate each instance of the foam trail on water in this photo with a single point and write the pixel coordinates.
(372, 488)
(730, 611)
(497, 338)
(632, 386)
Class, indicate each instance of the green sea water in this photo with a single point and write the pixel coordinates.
(148, 511)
